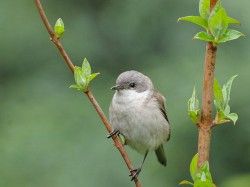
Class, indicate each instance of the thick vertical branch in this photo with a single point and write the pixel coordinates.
(206, 121)
(207, 101)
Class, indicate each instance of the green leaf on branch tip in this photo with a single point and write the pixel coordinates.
(232, 21)
(214, 22)
(218, 24)
(216, 8)
(193, 166)
(193, 108)
(204, 8)
(186, 182)
(196, 20)
(59, 27)
(230, 35)
(204, 36)
(86, 69)
(83, 76)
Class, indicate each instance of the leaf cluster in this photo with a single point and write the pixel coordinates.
(222, 97)
(215, 23)
(201, 177)
(221, 101)
(83, 76)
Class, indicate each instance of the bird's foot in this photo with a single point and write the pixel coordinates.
(134, 173)
(113, 133)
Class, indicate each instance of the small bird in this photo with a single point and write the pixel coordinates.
(137, 111)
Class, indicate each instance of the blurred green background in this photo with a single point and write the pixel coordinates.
(50, 135)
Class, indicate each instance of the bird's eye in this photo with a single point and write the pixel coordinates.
(132, 84)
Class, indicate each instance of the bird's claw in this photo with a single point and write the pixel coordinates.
(113, 133)
(136, 173)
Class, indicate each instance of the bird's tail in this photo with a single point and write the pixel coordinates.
(161, 156)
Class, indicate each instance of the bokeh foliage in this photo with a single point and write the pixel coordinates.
(51, 136)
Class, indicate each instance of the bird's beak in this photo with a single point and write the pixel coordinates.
(117, 87)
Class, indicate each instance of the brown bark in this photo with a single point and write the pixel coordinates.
(206, 122)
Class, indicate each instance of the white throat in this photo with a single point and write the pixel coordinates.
(131, 96)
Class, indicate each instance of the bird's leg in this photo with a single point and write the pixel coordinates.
(113, 133)
(138, 170)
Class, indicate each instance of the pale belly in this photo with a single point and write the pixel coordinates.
(144, 127)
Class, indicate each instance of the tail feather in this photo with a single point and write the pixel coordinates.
(161, 156)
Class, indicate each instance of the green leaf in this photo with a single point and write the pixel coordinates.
(230, 35)
(204, 36)
(223, 117)
(205, 170)
(204, 8)
(226, 109)
(80, 79)
(227, 89)
(216, 8)
(223, 108)
(194, 116)
(193, 166)
(83, 76)
(203, 177)
(219, 100)
(214, 11)
(193, 108)
(218, 24)
(186, 182)
(75, 86)
(92, 76)
(193, 102)
(196, 20)
(86, 69)
(200, 183)
(59, 27)
(232, 20)
(233, 117)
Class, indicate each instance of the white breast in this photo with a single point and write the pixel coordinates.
(138, 117)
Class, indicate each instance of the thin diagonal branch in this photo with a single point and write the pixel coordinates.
(95, 104)
(53, 37)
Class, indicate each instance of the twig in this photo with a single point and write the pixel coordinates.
(53, 37)
(105, 121)
(206, 121)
